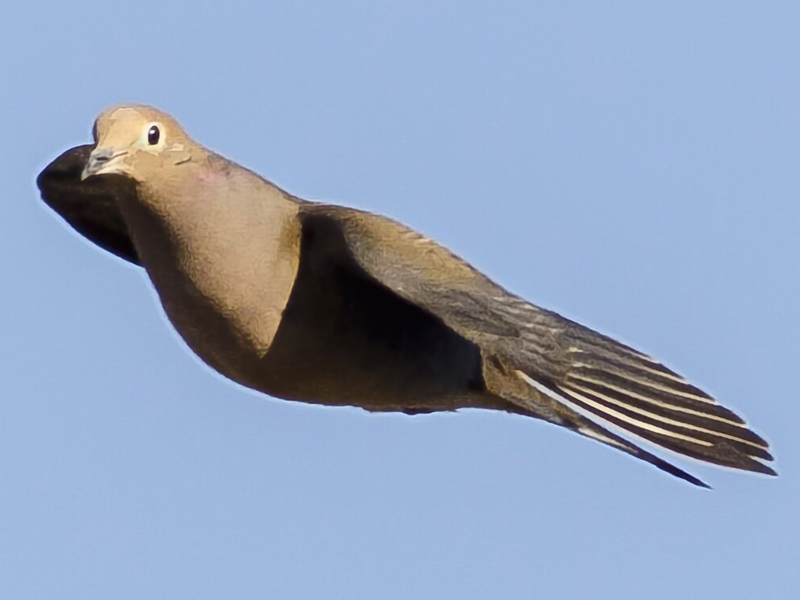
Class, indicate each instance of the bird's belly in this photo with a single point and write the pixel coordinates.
(397, 365)
(367, 350)
(370, 375)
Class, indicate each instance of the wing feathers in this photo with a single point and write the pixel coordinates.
(695, 423)
(645, 398)
(606, 437)
(578, 367)
(662, 397)
(577, 422)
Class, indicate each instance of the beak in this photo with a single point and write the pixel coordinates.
(102, 161)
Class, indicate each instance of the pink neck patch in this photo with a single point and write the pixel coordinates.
(208, 176)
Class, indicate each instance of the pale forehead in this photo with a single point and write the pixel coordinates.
(134, 116)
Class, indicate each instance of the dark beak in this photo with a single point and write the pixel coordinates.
(102, 160)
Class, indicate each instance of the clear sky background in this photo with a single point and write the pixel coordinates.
(631, 165)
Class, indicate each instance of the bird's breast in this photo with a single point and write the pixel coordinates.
(223, 275)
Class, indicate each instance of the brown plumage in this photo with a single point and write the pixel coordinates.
(330, 305)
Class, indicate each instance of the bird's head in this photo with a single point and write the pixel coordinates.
(137, 141)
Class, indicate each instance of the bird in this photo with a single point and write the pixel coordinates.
(324, 304)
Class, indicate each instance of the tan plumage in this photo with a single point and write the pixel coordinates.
(330, 305)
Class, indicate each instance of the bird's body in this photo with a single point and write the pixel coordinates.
(331, 337)
(329, 305)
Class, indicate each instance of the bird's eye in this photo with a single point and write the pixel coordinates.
(153, 135)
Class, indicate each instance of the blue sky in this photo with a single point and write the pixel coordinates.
(633, 166)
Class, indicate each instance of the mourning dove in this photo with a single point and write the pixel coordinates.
(330, 305)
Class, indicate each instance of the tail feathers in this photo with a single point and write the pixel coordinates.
(561, 414)
(596, 432)
(638, 394)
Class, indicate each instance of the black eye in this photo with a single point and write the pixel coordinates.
(153, 134)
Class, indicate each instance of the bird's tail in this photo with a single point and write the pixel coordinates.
(634, 392)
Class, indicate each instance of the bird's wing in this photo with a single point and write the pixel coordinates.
(90, 207)
(540, 360)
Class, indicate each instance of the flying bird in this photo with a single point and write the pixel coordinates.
(330, 305)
